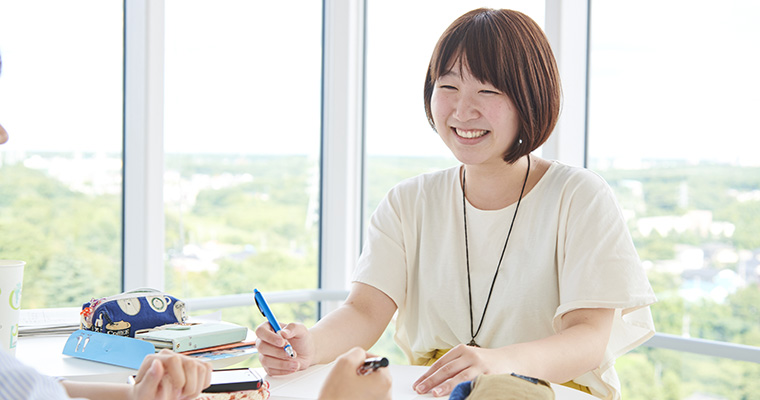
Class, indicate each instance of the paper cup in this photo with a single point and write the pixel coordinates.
(11, 277)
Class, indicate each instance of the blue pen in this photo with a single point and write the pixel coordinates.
(265, 311)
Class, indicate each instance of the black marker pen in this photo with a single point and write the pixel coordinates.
(372, 364)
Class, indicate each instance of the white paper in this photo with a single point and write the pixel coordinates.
(48, 321)
(306, 384)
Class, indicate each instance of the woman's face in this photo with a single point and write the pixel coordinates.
(476, 121)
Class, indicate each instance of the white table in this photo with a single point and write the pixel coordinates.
(45, 354)
(304, 385)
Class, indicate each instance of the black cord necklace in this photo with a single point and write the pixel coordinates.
(467, 254)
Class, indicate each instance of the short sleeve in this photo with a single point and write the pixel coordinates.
(599, 268)
(382, 263)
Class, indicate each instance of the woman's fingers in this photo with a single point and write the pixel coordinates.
(272, 355)
(460, 364)
(279, 366)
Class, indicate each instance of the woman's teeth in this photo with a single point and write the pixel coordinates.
(470, 134)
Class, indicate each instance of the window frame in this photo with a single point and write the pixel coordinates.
(342, 172)
(142, 206)
(343, 152)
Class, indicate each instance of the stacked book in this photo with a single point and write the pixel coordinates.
(48, 321)
(192, 336)
(211, 341)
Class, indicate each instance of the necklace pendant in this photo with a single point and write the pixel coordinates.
(472, 343)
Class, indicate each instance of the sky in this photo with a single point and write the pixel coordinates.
(669, 79)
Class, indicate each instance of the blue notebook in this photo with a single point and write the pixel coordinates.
(109, 349)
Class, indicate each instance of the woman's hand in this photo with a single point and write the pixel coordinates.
(169, 375)
(577, 348)
(344, 382)
(270, 346)
(460, 364)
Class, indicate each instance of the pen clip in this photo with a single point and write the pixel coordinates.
(256, 300)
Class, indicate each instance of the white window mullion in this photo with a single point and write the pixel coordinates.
(143, 144)
(342, 142)
(567, 28)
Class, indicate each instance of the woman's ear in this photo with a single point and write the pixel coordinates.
(3, 135)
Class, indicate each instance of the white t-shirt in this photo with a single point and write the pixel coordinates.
(569, 249)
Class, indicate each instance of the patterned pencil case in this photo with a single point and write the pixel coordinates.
(128, 312)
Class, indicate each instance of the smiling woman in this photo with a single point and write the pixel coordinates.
(451, 254)
(475, 120)
(508, 77)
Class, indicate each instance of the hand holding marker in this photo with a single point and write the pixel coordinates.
(265, 311)
(371, 364)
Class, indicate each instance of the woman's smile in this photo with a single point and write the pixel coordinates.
(470, 133)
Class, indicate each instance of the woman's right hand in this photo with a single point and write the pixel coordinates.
(270, 346)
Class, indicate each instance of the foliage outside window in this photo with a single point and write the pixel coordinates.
(242, 146)
(669, 129)
(61, 171)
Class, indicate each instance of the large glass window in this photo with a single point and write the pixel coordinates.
(672, 127)
(399, 141)
(242, 145)
(61, 171)
(649, 373)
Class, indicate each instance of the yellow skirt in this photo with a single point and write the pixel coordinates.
(439, 353)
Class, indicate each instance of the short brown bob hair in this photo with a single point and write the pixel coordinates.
(508, 50)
